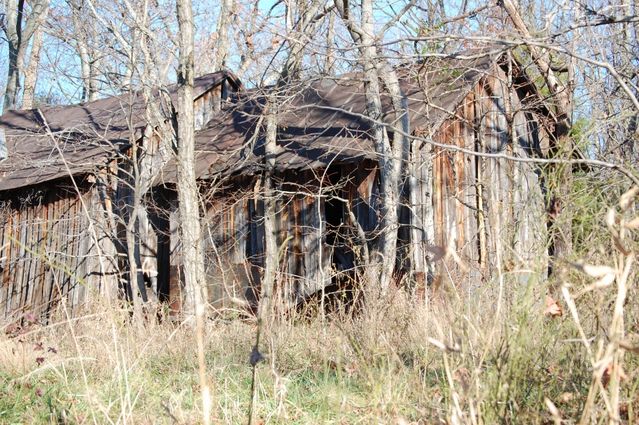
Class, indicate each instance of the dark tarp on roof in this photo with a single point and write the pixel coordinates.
(85, 135)
(325, 120)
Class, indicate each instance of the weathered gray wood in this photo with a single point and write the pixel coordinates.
(21, 283)
(314, 227)
(51, 250)
(240, 221)
(11, 258)
(46, 243)
(5, 250)
(37, 244)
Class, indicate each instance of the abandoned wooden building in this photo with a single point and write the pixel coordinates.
(458, 208)
(65, 187)
(463, 198)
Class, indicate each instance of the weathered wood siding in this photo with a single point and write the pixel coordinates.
(482, 205)
(487, 212)
(48, 255)
(207, 105)
(234, 240)
(59, 244)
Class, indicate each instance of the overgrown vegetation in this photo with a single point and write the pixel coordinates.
(464, 359)
(385, 366)
(515, 347)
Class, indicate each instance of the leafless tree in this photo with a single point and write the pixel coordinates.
(192, 256)
(31, 72)
(390, 155)
(19, 23)
(84, 37)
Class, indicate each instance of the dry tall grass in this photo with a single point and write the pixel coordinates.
(396, 361)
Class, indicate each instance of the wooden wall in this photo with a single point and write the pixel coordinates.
(480, 208)
(48, 255)
(59, 245)
(207, 105)
(314, 233)
(234, 239)
(477, 206)
(487, 212)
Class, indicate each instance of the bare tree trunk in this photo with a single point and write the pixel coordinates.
(13, 78)
(31, 73)
(132, 220)
(400, 151)
(136, 277)
(187, 184)
(19, 28)
(290, 71)
(389, 157)
(82, 42)
(222, 41)
(299, 33)
(329, 60)
(270, 242)
(193, 260)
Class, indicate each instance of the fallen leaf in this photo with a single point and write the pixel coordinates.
(605, 379)
(605, 281)
(553, 410)
(454, 348)
(553, 309)
(566, 397)
(610, 218)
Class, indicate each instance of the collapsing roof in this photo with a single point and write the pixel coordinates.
(52, 142)
(326, 121)
(319, 122)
